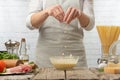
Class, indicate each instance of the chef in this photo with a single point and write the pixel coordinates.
(60, 24)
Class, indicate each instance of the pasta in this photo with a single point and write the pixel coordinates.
(108, 34)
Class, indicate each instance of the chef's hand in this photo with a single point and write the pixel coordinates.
(71, 14)
(57, 12)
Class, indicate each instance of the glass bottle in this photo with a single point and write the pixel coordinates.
(23, 51)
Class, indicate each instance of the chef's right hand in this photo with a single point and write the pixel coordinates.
(57, 12)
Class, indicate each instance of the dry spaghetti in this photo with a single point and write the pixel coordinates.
(108, 34)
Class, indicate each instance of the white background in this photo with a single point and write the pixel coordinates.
(12, 25)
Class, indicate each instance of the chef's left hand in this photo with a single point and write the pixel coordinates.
(71, 14)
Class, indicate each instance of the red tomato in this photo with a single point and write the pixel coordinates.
(2, 66)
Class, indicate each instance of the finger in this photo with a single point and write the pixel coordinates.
(61, 18)
(61, 11)
(57, 15)
(58, 18)
(60, 14)
(56, 12)
(52, 9)
(75, 14)
(73, 17)
(70, 16)
(67, 14)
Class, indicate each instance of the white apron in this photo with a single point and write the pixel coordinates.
(55, 38)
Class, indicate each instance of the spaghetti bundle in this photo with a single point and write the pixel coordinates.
(108, 34)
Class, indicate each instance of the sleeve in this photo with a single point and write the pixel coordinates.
(88, 10)
(34, 6)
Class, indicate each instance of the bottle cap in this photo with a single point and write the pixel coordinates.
(23, 40)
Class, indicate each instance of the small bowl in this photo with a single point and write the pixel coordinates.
(64, 62)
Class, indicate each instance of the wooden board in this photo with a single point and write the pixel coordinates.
(81, 74)
(49, 73)
(77, 73)
(53, 74)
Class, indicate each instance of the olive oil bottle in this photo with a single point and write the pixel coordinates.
(23, 51)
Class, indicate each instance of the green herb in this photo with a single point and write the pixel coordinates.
(101, 70)
(31, 62)
(6, 55)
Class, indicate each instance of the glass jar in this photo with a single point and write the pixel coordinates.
(104, 54)
(113, 56)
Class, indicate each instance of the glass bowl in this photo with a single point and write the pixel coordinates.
(64, 62)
